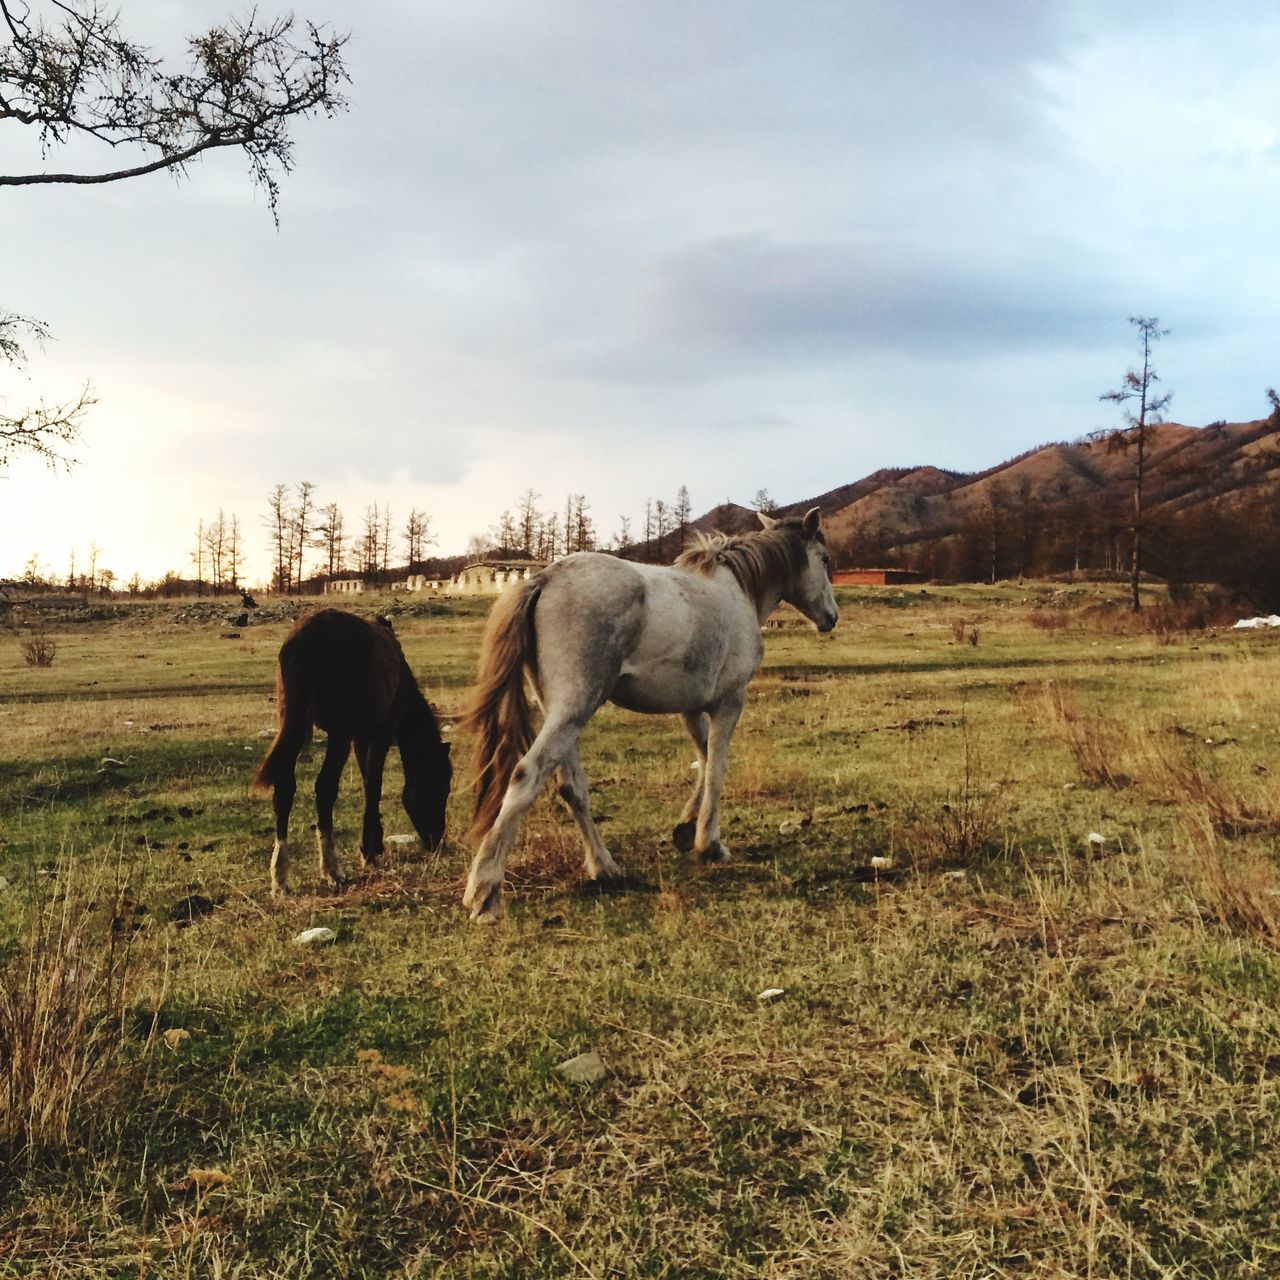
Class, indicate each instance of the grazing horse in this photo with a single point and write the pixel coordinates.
(592, 628)
(349, 676)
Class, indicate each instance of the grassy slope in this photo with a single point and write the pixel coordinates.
(1014, 1054)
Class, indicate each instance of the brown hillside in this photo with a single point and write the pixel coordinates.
(1187, 468)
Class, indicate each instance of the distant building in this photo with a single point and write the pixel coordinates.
(874, 577)
(484, 577)
(488, 577)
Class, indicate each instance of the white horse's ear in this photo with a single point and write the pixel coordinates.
(767, 521)
(812, 521)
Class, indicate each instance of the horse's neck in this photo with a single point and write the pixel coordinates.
(764, 603)
(418, 724)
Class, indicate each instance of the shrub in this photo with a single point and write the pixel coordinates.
(39, 651)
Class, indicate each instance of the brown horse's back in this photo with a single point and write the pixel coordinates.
(339, 672)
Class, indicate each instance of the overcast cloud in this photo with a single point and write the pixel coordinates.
(611, 249)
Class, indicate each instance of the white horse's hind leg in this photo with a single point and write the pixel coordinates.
(724, 719)
(697, 723)
(483, 895)
(599, 861)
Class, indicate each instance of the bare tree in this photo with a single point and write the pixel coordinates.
(278, 521)
(44, 431)
(527, 520)
(330, 537)
(76, 77)
(417, 536)
(681, 513)
(1137, 387)
(622, 539)
(233, 552)
(386, 538)
(370, 540)
(763, 502)
(73, 77)
(661, 527)
(300, 528)
(198, 554)
(505, 533)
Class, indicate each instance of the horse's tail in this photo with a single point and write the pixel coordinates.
(499, 710)
(292, 706)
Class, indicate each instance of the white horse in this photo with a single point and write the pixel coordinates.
(593, 628)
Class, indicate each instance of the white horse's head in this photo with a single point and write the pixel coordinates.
(810, 589)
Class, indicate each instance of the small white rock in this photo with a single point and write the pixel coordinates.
(955, 875)
(586, 1068)
(312, 937)
(263, 734)
(1095, 838)
(4, 884)
(402, 841)
(881, 863)
(770, 994)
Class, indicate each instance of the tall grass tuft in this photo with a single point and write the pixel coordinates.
(965, 824)
(1234, 887)
(1096, 745)
(63, 996)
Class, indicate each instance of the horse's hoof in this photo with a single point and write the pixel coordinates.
(713, 855)
(682, 837)
(489, 909)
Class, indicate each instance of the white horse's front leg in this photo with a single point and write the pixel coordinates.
(723, 720)
(697, 724)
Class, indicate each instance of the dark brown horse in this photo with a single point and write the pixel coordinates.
(349, 677)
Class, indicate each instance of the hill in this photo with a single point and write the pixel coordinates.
(1210, 495)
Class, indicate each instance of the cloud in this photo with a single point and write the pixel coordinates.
(755, 302)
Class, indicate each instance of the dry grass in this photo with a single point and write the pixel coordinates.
(1019, 1054)
(64, 993)
(1096, 744)
(1236, 888)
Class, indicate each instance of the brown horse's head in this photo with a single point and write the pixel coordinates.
(428, 772)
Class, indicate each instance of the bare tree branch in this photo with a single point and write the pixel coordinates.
(45, 431)
(77, 76)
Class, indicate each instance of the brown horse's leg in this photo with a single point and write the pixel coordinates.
(282, 802)
(335, 759)
(372, 758)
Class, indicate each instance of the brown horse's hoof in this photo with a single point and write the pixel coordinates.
(682, 837)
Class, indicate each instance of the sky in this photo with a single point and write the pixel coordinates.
(611, 249)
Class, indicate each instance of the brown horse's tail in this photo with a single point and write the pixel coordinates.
(499, 710)
(295, 726)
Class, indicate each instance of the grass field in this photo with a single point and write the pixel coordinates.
(1042, 1040)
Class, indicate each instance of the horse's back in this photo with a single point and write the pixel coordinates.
(646, 636)
(348, 669)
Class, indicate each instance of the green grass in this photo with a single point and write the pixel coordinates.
(1013, 1053)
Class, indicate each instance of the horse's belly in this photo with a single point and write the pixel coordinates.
(674, 693)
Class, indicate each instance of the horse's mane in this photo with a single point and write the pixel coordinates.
(764, 561)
